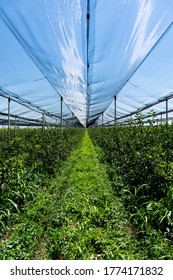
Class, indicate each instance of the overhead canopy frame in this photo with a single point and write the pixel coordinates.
(86, 53)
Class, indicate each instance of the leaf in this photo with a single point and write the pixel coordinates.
(14, 204)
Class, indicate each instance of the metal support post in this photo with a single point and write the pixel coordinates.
(61, 110)
(15, 127)
(115, 111)
(102, 119)
(167, 144)
(9, 100)
(87, 60)
(43, 120)
(167, 110)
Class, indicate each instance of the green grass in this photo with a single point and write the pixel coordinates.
(136, 160)
(91, 222)
(77, 215)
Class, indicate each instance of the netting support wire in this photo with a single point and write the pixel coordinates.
(9, 100)
(115, 111)
(61, 110)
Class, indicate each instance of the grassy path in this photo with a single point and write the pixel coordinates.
(76, 217)
(92, 222)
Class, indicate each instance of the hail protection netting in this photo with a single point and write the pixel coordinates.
(83, 53)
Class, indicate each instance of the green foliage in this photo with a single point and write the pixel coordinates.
(54, 205)
(27, 162)
(75, 216)
(90, 222)
(140, 162)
